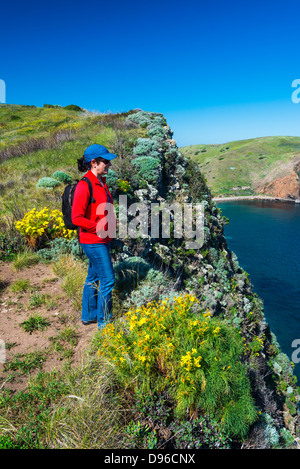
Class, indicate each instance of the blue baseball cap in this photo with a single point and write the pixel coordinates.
(95, 151)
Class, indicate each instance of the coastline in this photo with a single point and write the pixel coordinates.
(255, 197)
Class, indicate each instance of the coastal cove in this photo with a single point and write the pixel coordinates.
(264, 233)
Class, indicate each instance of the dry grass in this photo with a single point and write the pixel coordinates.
(92, 415)
(34, 144)
(74, 274)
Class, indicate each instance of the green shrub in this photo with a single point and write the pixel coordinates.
(61, 176)
(73, 107)
(156, 285)
(47, 183)
(111, 178)
(148, 168)
(140, 435)
(158, 119)
(60, 246)
(287, 437)
(146, 147)
(194, 358)
(10, 244)
(146, 118)
(129, 272)
(142, 118)
(271, 434)
(146, 163)
(201, 433)
(156, 132)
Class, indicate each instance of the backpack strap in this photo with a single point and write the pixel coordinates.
(92, 200)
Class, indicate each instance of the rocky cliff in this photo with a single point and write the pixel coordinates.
(212, 273)
(286, 186)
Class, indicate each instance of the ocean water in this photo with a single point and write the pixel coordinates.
(265, 236)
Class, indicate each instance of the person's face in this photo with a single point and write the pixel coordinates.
(101, 168)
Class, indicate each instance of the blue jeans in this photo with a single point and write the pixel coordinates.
(100, 280)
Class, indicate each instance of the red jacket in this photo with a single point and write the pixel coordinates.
(91, 218)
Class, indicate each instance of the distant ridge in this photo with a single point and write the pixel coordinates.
(260, 166)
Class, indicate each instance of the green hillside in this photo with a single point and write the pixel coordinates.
(18, 123)
(244, 167)
(36, 142)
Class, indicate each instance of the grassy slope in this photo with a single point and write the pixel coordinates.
(242, 163)
(19, 176)
(17, 123)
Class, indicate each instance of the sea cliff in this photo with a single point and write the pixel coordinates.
(156, 273)
(215, 277)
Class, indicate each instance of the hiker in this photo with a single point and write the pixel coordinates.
(94, 234)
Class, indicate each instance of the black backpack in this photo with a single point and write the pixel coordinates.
(67, 202)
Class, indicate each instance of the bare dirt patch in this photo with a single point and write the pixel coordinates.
(57, 310)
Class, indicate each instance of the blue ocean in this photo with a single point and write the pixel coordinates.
(265, 236)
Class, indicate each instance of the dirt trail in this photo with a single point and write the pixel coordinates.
(15, 308)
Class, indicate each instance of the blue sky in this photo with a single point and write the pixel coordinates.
(219, 71)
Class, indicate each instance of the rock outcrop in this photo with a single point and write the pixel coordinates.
(285, 187)
(282, 182)
(214, 275)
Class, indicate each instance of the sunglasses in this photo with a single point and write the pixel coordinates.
(105, 161)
